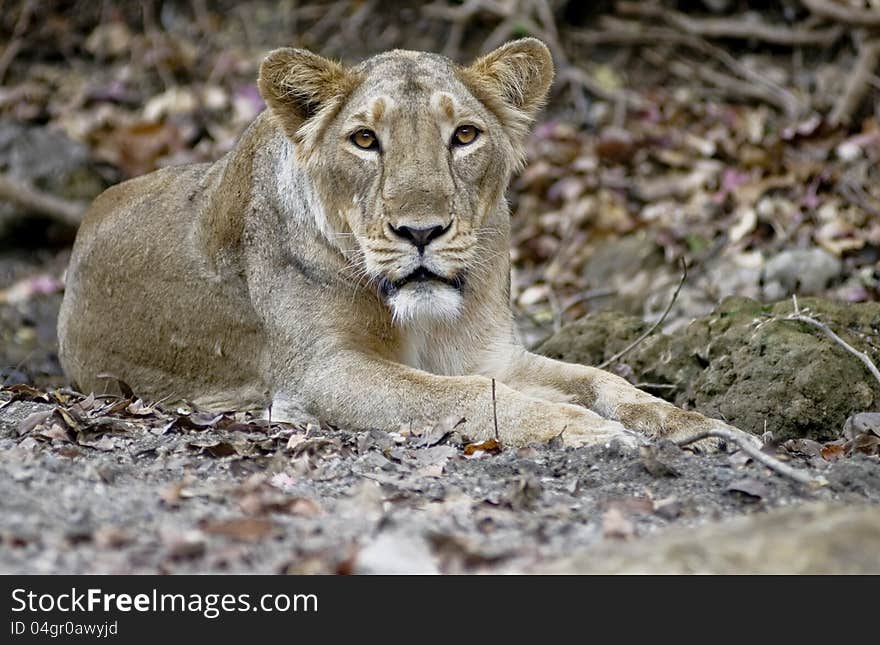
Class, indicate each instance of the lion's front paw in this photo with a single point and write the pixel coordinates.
(577, 435)
(576, 426)
(583, 427)
(663, 420)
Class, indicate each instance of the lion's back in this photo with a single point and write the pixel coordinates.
(142, 302)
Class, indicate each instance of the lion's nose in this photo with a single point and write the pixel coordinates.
(420, 237)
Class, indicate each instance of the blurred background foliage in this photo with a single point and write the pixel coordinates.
(740, 137)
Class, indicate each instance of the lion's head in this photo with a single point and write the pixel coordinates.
(409, 154)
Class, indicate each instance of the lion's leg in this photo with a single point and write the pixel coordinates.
(358, 390)
(609, 395)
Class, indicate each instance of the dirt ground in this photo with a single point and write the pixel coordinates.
(113, 486)
(133, 496)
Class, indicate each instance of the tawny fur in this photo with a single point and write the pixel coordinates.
(258, 280)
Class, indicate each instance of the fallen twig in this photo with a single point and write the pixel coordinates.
(25, 195)
(857, 84)
(577, 77)
(14, 45)
(590, 294)
(494, 410)
(842, 13)
(536, 17)
(853, 191)
(467, 10)
(656, 386)
(754, 84)
(650, 330)
(459, 16)
(730, 86)
(750, 85)
(157, 40)
(748, 444)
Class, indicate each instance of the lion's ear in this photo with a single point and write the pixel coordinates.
(297, 84)
(513, 81)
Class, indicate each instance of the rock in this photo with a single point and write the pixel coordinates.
(628, 266)
(862, 423)
(745, 364)
(804, 272)
(735, 275)
(818, 538)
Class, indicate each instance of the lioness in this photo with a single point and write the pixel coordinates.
(348, 258)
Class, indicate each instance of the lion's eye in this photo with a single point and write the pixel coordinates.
(464, 134)
(365, 139)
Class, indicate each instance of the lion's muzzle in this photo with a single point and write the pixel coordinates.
(420, 275)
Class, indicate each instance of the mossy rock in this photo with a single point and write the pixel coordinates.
(745, 363)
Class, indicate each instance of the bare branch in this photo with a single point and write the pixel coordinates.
(28, 197)
(579, 78)
(842, 13)
(857, 85)
(12, 49)
(748, 27)
(728, 85)
(467, 10)
(653, 327)
(494, 410)
(752, 82)
(748, 444)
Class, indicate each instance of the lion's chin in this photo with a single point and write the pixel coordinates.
(425, 302)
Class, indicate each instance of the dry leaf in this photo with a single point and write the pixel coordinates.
(202, 420)
(118, 406)
(246, 529)
(55, 431)
(83, 407)
(833, 451)
(865, 443)
(22, 392)
(33, 420)
(490, 446)
(69, 419)
(214, 448)
(104, 442)
(749, 486)
(139, 409)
